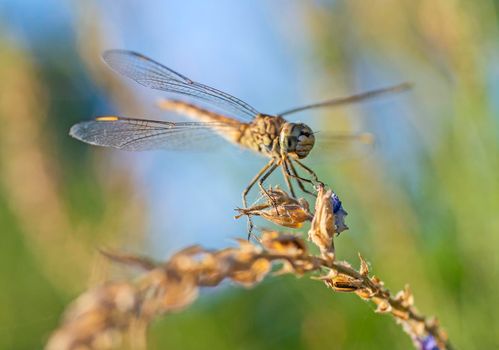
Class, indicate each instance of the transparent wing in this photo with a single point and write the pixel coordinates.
(156, 76)
(141, 134)
(367, 95)
(338, 146)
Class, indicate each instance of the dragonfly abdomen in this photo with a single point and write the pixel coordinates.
(227, 127)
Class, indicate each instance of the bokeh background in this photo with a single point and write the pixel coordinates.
(423, 205)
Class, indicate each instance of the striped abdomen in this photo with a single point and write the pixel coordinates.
(261, 135)
(227, 127)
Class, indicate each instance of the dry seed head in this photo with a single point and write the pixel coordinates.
(365, 293)
(400, 314)
(291, 216)
(405, 297)
(383, 306)
(281, 209)
(97, 318)
(285, 244)
(364, 268)
(322, 229)
(253, 274)
(101, 317)
(343, 283)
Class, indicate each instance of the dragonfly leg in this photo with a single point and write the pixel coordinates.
(260, 184)
(249, 187)
(263, 178)
(310, 171)
(287, 175)
(299, 179)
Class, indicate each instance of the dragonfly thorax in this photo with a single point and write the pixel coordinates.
(296, 140)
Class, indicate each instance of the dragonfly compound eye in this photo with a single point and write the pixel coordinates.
(296, 140)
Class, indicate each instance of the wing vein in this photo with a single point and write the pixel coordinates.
(154, 75)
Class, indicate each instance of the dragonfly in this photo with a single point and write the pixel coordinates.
(284, 143)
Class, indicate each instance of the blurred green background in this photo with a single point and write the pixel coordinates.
(423, 206)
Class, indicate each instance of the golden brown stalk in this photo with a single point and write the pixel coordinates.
(101, 317)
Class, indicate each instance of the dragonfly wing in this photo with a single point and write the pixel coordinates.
(156, 76)
(361, 97)
(342, 146)
(141, 134)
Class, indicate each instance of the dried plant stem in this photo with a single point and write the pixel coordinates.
(97, 318)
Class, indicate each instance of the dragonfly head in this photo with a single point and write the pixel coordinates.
(296, 140)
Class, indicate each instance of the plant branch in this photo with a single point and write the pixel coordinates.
(102, 317)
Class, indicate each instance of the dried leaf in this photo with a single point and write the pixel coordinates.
(97, 317)
(282, 210)
(383, 306)
(405, 297)
(322, 229)
(377, 281)
(179, 295)
(343, 283)
(246, 246)
(283, 244)
(365, 293)
(252, 275)
(401, 314)
(292, 216)
(167, 289)
(364, 268)
(285, 268)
